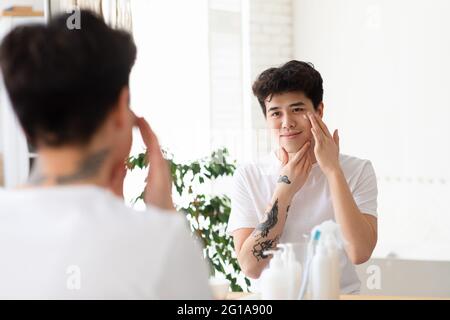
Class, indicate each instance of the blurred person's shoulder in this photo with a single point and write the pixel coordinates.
(160, 221)
(87, 203)
(126, 246)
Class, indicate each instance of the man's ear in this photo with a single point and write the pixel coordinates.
(123, 107)
(319, 110)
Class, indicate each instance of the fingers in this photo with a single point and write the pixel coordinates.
(284, 156)
(146, 132)
(315, 129)
(158, 190)
(302, 161)
(135, 118)
(336, 138)
(317, 136)
(150, 140)
(299, 155)
(318, 124)
(322, 125)
(307, 162)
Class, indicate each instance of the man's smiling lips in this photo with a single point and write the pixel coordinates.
(290, 135)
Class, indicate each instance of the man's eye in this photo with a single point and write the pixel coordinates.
(275, 114)
(298, 109)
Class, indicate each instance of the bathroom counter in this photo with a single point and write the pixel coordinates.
(250, 296)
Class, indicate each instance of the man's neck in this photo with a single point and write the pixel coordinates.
(68, 166)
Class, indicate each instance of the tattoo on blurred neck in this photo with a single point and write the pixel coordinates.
(88, 168)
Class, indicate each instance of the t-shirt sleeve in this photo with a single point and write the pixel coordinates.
(184, 273)
(243, 213)
(366, 191)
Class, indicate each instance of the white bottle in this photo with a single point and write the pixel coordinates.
(275, 280)
(322, 274)
(293, 269)
(335, 267)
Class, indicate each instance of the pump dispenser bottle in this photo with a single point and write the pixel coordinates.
(275, 280)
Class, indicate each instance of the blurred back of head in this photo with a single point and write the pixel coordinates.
(63, 83)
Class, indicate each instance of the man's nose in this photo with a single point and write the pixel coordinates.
(288, 122)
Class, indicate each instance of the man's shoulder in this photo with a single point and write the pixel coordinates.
(88, 203)
(153, 217)
(353, 162)
(354, 167)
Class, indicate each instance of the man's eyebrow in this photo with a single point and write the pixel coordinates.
(295, 104)
(273, 108)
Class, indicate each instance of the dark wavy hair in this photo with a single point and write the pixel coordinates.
(63, 83)
(293, 76)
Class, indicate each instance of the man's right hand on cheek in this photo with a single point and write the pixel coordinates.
(295, 171)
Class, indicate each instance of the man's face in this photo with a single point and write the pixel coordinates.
(285, 119)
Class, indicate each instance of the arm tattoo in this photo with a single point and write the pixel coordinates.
(284, 179)
(271, 221)
(263, 245)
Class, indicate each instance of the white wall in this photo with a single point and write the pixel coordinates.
(407, 278)
(246, 37)
(170, 81)
(267, 43)
(226, 90)
(386, 76)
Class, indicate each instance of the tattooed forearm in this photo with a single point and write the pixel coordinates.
(284, 179)
(271, 221)
(263, 245)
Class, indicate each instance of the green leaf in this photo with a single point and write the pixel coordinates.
(214, 210)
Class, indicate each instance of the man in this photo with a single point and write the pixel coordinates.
(305, 182)
(65, 234)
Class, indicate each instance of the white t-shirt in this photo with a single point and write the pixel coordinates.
(82, 242)
(254, 185)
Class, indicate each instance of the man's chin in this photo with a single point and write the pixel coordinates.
(293, 148)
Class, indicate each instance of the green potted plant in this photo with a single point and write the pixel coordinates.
(207, 214)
